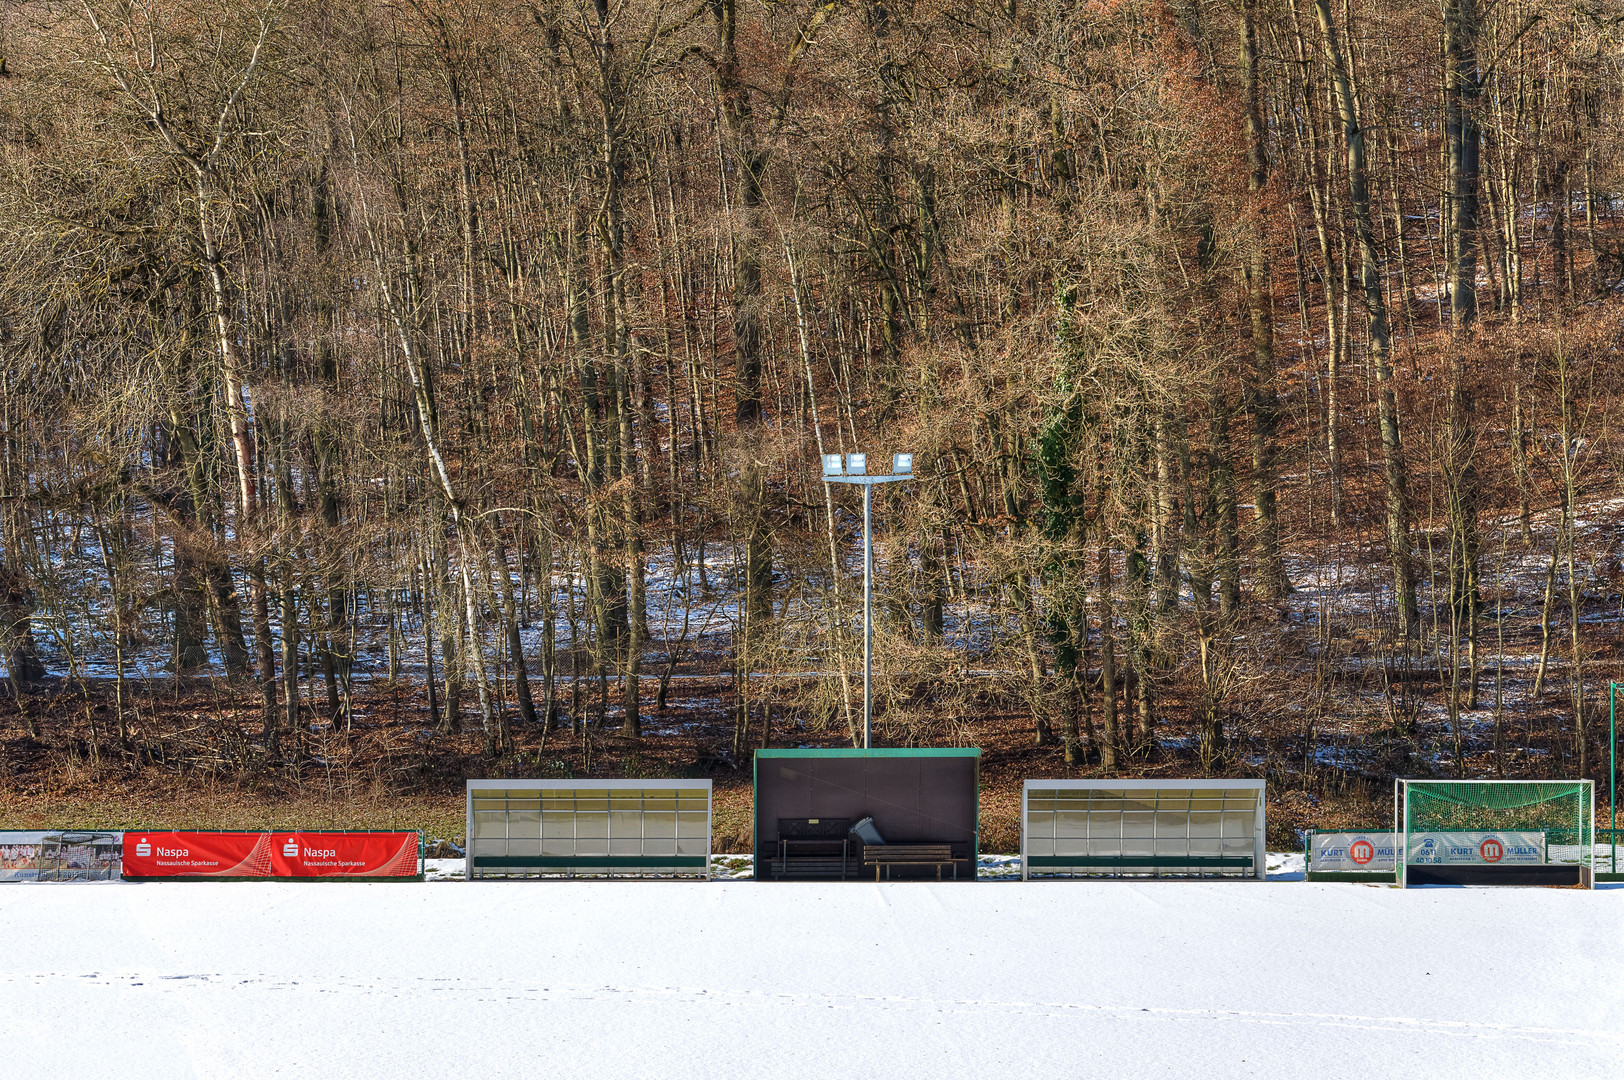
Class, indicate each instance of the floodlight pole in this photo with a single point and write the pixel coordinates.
(1612, 770)
(835, 471)
(868, 611)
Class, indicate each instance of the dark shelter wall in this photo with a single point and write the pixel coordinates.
(913, 796)
(1551, 874)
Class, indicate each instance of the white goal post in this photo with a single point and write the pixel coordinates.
(1495, 832)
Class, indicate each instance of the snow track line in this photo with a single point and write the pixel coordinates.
(512, 990)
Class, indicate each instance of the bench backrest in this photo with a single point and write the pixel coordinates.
(829, 828)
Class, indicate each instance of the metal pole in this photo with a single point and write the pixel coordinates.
(1612, 770)
(868, 609)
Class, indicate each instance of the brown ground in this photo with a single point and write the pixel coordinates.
(189, 763)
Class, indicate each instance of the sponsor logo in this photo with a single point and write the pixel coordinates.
(291, 848)
(314, 853)
(1491, 850)
(1366, 852)
(143, 850)
(169, 852)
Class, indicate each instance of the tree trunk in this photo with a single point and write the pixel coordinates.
(1110, 736)
(750, 158)
(1263, 400)
(1398, 521)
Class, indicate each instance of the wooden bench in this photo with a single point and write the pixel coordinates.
(889, 855)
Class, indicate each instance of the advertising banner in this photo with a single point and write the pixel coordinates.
(235, 855)
(352, 854)
(19, 855)
(1354, 853)
(72, 855)
(1477, 848)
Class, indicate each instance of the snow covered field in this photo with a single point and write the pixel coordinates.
(738, 978)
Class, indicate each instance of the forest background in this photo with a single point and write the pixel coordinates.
(392, 393)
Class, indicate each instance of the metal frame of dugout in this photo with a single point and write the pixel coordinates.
(923, 798)
(1143, 828)
(588, 828)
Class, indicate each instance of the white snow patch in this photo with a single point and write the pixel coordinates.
(676, 980)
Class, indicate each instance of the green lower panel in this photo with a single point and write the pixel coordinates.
(1147, 861)
(1350, 875)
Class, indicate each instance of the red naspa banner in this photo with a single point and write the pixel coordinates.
(270, 855)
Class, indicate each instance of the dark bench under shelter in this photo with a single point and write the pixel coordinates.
(888, 856)
(921, 805)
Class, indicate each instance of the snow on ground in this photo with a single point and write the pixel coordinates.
(744, 979)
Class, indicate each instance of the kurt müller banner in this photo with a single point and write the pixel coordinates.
(226, 855)
(1343, 853)
(1477, 848)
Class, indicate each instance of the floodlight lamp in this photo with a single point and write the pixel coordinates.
(831, 465)
(857, 464)
(902, 464)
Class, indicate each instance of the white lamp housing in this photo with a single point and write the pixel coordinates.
(857, 464)
(832, 465)
(902, 464)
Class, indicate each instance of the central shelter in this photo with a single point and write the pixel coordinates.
(807, 800)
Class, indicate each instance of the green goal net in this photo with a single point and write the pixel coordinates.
(1491, 832)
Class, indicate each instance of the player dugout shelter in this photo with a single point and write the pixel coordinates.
(588, 828)
(1142, 828)
(924, 801)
